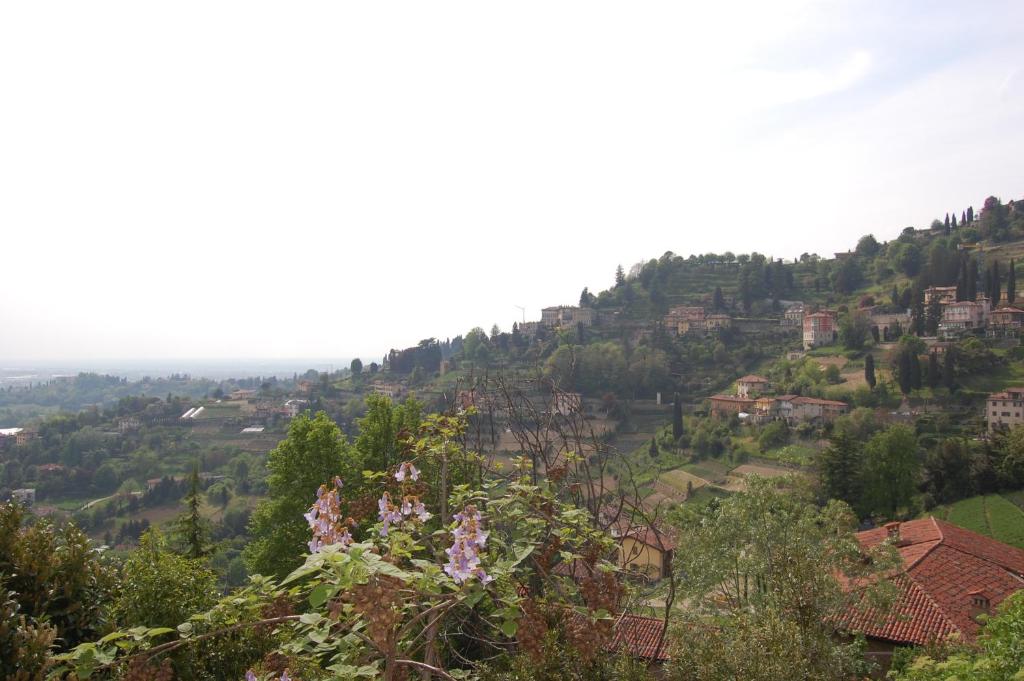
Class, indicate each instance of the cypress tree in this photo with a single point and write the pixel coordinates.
(869, 370)
(963, 218)
(949, 370)
(953, 221)
(915, 371)
(997, 291)
(904, 369)
(970, 213)
(677, 418)
(895, 296)
(972, 279)
(653, 449)
(1011, 285)
(946, 224)
(934, 374)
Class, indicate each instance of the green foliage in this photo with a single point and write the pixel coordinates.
(381, 430)
(55, 575)
(24, 643)
(192, 529)
(890, 473)
(764, 565)
(774, 435)
(313, 453)
(562, 661)
(839, 467)
(159, 588)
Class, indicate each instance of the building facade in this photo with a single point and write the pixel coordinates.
(820, 329)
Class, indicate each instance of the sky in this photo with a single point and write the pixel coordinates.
(326, 179)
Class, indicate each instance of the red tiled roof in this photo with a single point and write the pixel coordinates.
(816, 400)
(943, 567)
(658, 539)
(639, 637)
(751, 378)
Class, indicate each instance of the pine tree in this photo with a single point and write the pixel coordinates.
(192, 529)
(970, 213)
(946, 224)
(718, 300)
(677, 417)
(620, 276)
(953, 221)
(963, 218)
(1011, 285)
(934, 374)
(839, 467)
(869, 370)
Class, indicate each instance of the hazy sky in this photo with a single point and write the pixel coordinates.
(255, 179)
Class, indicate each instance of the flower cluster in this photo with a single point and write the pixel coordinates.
(464, 553)
(407, 469)
(324, 518)
(389, 513)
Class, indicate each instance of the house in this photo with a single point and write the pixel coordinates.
(717, 322)
(18, 436)
(949, 577)
(751, 385)
(793, 315)
(527, 329)
(567, 315)
(25, 496)
(389, 390)
(1006, 321)
(51, 468)
(684, 319)
(293, 408)
(820, 328)
(127, 424)
(1004, 410)
(647, 551)
(815, 409)
(242, 394)
(944, 295)
(727, 405)
(963, 315)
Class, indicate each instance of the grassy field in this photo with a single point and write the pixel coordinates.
(993, 515)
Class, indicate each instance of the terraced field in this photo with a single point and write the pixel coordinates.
(993, 515)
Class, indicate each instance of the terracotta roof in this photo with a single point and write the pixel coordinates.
(659, 539)
(944, 566)
(1007, 394)
(751, 378)
(1014, 310)
(639, 636)
(815, 400)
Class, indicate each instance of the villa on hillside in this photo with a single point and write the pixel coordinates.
(963, 315)
(790, 408)
(793, 315)
(752, 384)
(567, 315)
(683, 319)
(943, 294)
(820, 328)
(1006, 322)
(1004, 410)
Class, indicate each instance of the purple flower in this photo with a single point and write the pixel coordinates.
(284, 676)
(407, 469)
(388, 513)
(324, 519)
(464, 554)
(249, 676)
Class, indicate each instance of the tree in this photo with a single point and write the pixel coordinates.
(952, 222)
(949, 370)
(356, 366)
(652, 450)
(947, 469)
(868, 246)
(839, 467)
(677, 417)
(946, 223)
(869, 370)
(312, 454)
(774, 435)
(160, 588)
(996, 291)
(763, 578)
(934, 373)
(891, 472)
(1011, 285)
(854, 329)
(933, 316)
(895, 296)
(904, 372)
(192, 528)
(917, 313)
(620, 277)
(717, 299)
(382, 429)
(970, 214)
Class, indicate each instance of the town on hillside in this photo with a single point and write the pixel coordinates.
(621, 452)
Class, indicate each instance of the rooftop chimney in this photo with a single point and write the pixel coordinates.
(892, 531)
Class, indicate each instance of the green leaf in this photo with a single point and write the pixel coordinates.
(508, 627)
(319, 595)
(311, 618)
(185, 629)
(158, 631)
(112, 636)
